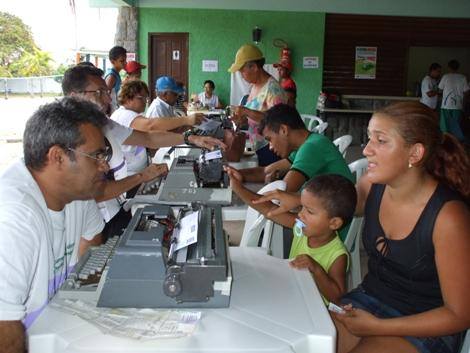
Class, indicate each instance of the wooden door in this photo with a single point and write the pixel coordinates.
(168, 56)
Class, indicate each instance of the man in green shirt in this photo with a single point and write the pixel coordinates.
(304, 155)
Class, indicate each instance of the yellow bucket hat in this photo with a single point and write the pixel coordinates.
(246, 53)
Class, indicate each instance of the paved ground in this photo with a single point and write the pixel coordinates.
(14, 112)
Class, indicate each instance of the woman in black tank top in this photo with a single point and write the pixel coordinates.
(415, 297)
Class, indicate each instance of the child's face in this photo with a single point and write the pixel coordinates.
(119, 63)
(313, 214)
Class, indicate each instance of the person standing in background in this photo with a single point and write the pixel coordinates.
(454, 87)
(133, 70)
(429, 89)
(265, 93)
(117, 56)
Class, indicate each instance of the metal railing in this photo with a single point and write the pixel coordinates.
(31, 85)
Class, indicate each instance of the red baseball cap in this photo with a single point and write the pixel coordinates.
(133, 66)
(288, 84)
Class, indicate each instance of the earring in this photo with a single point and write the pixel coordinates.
(410, 165)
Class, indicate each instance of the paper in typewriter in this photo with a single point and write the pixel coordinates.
(186, 234)
(141, 324)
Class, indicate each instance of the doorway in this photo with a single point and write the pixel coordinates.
(168, 56)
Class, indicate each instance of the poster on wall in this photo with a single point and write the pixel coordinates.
(366, 63)
(210, 66)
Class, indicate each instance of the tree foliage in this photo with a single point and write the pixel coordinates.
(19, 55)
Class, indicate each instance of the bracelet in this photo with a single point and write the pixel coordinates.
(186, 135)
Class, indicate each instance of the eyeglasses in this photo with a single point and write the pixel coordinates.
(103, 156)
(98, 92)
(146, 99)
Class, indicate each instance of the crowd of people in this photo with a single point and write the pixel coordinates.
(86, 153)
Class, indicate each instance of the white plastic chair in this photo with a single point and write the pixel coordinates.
(311, 121)
(466, 343)
(320, 129)
(343, 143)
(256, 222)
(353, 238)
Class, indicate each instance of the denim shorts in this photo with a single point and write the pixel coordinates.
(444, 344)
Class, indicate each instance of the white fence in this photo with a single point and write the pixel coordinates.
(31, 85)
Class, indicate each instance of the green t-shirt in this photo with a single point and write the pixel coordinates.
(324, 255)
(316, 156)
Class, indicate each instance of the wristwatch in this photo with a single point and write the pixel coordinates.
(186, 135)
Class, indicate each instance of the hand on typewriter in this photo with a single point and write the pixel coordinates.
(238, 115)
(206, 142)
(195, 119)
(153, 171)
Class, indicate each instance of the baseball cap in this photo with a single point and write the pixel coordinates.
(133, 66)
(167, 83)
(246, 53)
(288, 84)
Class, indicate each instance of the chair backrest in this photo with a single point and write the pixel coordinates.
(320, 129)
(343, 143)
(255, 222)
(353, 238)
(358, 167)
(311, 121)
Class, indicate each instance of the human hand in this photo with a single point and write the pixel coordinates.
(195, 119)
(271, 174)
(236, 178)
(153, 171)
(238, 114)
(207, 142)
(359, 322)
(304, 261)
(286, 201)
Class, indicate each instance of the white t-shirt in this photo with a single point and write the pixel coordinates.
(159, 108)
(428, 84)
(454, 86)
(212, 102)
(136, 156)
(36, 250)
(116, 134)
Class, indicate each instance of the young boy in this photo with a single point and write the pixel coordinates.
(117, 56)
(328, 203)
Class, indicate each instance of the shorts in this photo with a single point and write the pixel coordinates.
(443, 344)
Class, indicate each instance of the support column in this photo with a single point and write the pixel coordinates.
(127, 28)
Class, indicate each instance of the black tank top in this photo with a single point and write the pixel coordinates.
(405, 275)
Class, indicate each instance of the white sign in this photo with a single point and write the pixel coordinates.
(176, 55)
(210, 66)
(310, 62)
(130, 56)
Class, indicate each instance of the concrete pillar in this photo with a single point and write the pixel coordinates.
(127, 28)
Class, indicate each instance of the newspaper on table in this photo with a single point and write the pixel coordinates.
(141, 324)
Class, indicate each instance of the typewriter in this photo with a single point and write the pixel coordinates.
(196, 177)
(156, 265)
(216, 122)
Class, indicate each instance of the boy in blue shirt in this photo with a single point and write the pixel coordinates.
(118, 58)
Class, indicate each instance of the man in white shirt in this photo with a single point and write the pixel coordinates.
(85, 81)
(454, 86)
(46, 208)
(163, 107)
(429, 90)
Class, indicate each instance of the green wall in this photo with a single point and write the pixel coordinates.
(217, 34)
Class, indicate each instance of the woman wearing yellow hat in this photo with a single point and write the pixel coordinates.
(265, 93)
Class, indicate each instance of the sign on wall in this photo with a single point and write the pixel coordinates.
(310, 62)
(366, 63)
(210, 66)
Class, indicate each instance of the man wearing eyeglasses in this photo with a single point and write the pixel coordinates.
(46, 209)
(85, 81)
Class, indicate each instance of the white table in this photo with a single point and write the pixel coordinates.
(273, 308)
